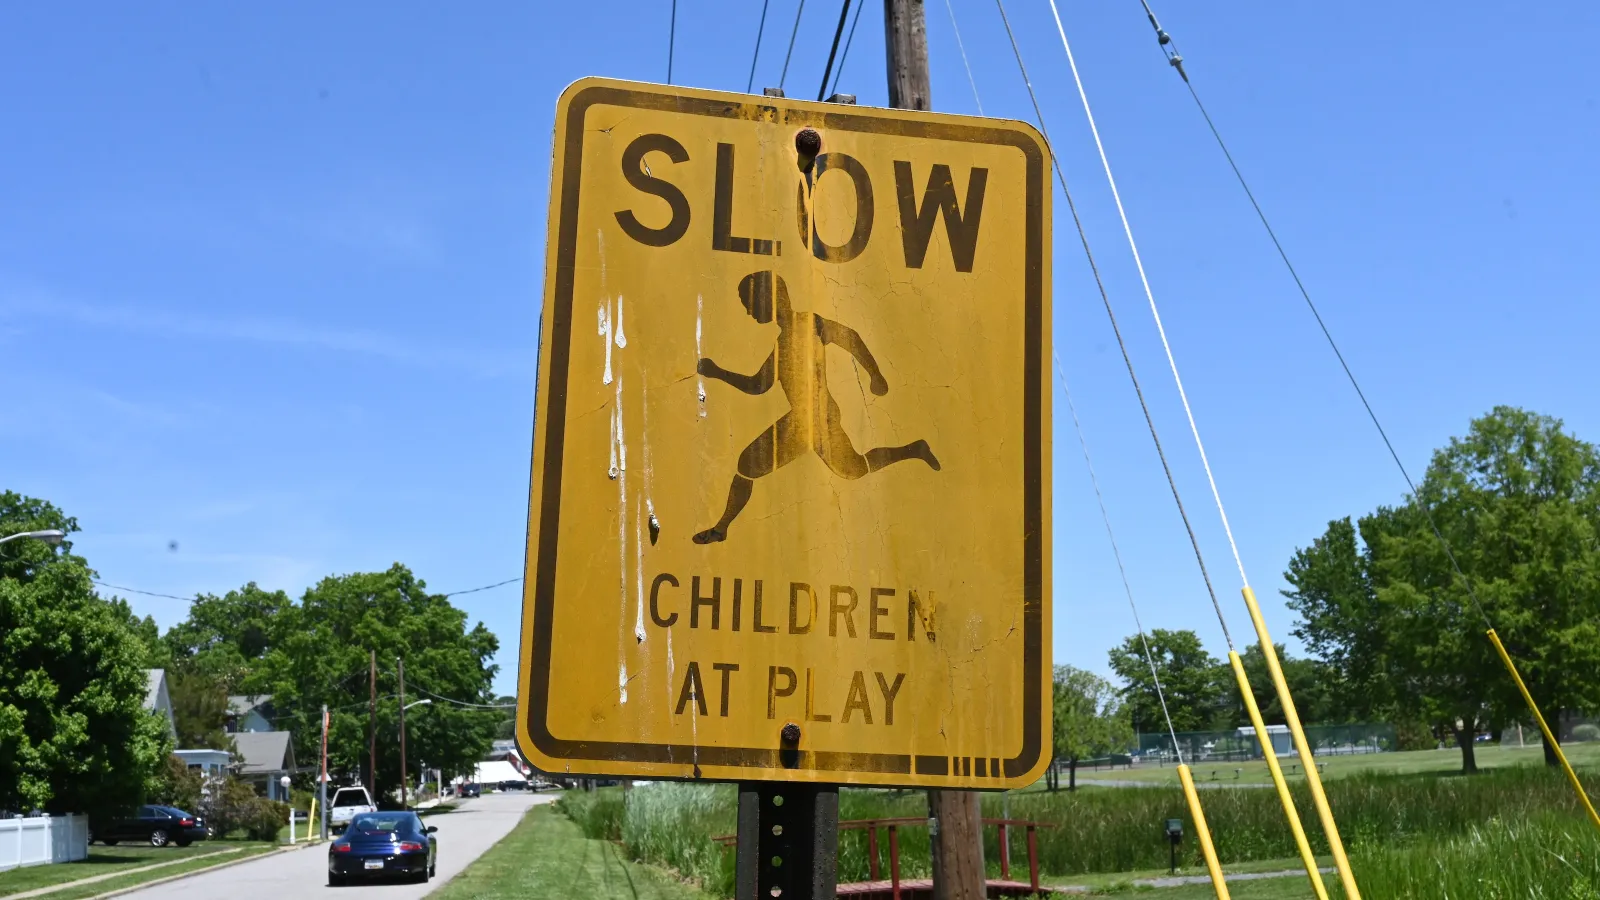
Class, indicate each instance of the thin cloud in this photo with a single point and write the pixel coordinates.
(281, 333)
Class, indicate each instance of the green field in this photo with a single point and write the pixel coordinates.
(1414, 762)
(546, 857)
(120, 861)
(1514, 828)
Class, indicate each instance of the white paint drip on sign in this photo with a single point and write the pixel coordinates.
(619, 450)
(604, 312)
(638, 536)
(605, 336)
(699, 315)
(621, 338)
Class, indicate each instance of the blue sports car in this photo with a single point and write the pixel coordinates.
(383, 845)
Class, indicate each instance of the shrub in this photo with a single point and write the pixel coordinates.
(263, 818)
(1588, 731)
(178, 785)
(597, 813)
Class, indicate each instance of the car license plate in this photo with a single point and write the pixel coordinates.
(374, 863)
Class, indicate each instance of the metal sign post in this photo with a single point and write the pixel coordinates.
(788, 841)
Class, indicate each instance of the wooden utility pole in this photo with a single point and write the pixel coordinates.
(958, 842)
(400, 664)
(906, 31)
(372, 726)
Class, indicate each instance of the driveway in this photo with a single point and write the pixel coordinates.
(474, 826)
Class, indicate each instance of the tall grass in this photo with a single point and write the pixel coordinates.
(1496, 825)
(1547, 858)
(1119, 829)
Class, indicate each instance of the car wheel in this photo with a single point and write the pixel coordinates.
(183, 842)
(158, 838)
(109, 843)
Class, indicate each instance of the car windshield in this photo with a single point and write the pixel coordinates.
(349, 797)
(383, 823)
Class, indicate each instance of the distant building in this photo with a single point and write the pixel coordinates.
(262, 758)
(1282, 740)
(157, 699)
(209, 763)
(250, 712)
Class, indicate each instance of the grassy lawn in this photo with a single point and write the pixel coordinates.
(1414, 762)
(108, 860)
(546, 857)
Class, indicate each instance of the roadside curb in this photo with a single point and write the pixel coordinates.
(179, 877)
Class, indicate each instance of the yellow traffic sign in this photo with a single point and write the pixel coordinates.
(790, 515)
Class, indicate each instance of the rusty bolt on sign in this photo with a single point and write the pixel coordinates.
(807, 143)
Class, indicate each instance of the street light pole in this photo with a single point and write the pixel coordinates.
(50, 536)
(401, 664)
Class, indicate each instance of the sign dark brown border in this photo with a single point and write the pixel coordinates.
(553, 417)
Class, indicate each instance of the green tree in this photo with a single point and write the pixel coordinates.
(225, 638)
(1191, 678)
(1518, 499)
(319, 655)
(1312, 684)
(1089, 720)
(74, 733)
(200, 711)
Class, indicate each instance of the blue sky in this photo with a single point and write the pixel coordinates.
(269, 277)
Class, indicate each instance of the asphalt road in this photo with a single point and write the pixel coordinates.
(463, 835)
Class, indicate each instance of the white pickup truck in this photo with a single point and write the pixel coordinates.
(347, 803)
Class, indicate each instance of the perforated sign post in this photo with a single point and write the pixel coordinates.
(789, 515)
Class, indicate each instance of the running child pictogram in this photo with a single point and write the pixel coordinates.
(813, 420)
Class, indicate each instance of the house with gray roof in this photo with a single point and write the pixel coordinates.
(262, 758)
(157, 699)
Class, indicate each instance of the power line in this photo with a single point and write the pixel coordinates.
(672, 39)
(1094, 269)
(118, 587)
(1116, 330)
(1170, 49)
(785, 76)
(465, 703)
(751, 81)
(848, 40)
(1319, 798)
(484, 588)
(844, 13)
(963, 48)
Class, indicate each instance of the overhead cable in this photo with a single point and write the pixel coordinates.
(848, 40)
(844, 13)
(749, 83)
(1169, 48)
(1191, 796)
(784, 76)
(963, 48)
(1268, 651)
(672, 39)
(118, 587)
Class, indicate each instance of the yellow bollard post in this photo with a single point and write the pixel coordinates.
(1583, 796)
(1330, 828)
(1289, 811)
(1218, 883)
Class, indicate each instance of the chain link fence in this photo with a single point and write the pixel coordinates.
(1240, 744)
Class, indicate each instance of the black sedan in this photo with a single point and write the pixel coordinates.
(383, 845)
(157, 825)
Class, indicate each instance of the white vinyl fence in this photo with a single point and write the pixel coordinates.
(43, 840)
